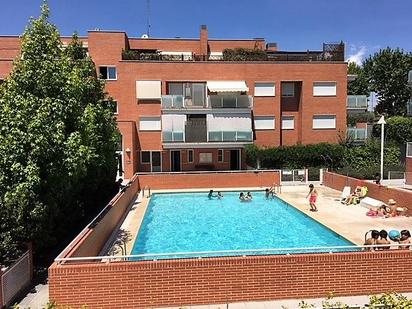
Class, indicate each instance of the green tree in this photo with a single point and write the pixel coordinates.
(57, 141)
(387, 75)
(359, 86)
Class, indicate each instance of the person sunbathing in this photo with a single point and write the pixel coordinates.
(354, 197)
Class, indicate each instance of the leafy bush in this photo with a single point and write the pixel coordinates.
(244, 54)
(353, 119)
(398, 130)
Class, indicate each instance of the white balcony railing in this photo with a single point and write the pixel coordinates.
(173, 101)
(230, 101)
(173, 137)
(230, 136)
(409, 149)
(357, 134)
(357, 101)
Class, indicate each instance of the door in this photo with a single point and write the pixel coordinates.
(235, 159)
(175, 161)
(156, 161)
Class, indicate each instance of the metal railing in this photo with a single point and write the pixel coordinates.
(409, 149)
(172, 136)
(357, 134)
(234, 253)
(173, 101)
(230, 101)
(230, 136)
(409, 107)
(357, 101)
(16, 278)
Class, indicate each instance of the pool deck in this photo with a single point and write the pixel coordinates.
(350, 222)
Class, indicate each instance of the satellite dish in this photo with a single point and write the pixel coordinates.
(145, 36)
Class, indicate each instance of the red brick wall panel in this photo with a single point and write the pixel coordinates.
(382, 193)
(225, 280)
(208, 180)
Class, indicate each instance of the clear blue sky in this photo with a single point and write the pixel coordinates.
(364, 25)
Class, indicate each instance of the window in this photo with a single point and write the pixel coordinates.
(150, 124)
(108, 73)
(324, 89)
(264, 89)
(145, 157)
(205, 157)
(264, 123)
(288, 89)
(288, 123)
(220, 155)
(190, 156)
(409, 150)
(113, 106)
(324, 122)
(148, 89)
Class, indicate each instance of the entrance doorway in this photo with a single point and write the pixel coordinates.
(235, 159)
(175, 161)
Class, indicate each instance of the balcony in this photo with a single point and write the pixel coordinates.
(409, 149)
(173, 137)
(409, 107)
(410, 78)
(357, 134)
(230, 101)
(213, 102)
(357, 102)
(230, 136)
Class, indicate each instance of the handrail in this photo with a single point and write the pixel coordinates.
(196, 254)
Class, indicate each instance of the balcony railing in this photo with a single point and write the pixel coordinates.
(230, 136)
(357, 134)
(173, 137)
(410, 78)
(409, 107)
(230, 101)
(409, 149)
(357, 101)
(173, 101)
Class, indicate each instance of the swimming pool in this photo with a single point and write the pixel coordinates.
(190, 222)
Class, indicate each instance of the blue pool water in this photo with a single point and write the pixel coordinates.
(190, 222)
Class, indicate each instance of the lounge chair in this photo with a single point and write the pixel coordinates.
(371, 203)
(345, 193)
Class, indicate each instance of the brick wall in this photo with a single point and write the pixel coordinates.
(232, 279)
(382, 193)
(208, 180)
(1, 287)
(93, 241)
(409, 171)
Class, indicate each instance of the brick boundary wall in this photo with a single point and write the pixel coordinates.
(382, 193)
(95, 237)
(209, 180)
(186, 282)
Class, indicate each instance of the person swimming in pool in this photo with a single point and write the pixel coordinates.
(242, 197)
(219, 195)
(249, 196)
(210, 195)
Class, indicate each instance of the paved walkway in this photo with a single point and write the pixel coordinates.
(36, 299)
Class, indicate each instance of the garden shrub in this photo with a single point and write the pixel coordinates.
(244, 54)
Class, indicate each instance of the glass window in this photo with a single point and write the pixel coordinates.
(220, 155)
(108, 73)
(264, 89)
(288, 89)
(190, 156)
(175, 88)
(264, 123)
(205, 157)
(199, 91)
(324, 89)
(156, 161)
(145, 157)
(120, 144)
(150, 124)
(288, 123)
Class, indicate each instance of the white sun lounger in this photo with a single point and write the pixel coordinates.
(345, 193)
(371, 203)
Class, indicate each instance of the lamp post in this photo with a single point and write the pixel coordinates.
(382, 122)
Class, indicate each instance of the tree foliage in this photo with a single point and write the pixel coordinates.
(359, 86)
(57, 141)
(386, 73)
(398, 130)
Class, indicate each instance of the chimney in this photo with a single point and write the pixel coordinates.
(203, 40)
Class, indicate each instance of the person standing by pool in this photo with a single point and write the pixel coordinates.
(313, 196)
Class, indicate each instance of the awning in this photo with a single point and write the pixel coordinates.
(227, 86)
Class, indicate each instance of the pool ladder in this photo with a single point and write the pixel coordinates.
(146, 188)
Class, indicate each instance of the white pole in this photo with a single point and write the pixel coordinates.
(382, 142)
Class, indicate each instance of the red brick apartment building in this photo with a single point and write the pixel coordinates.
(181, 107)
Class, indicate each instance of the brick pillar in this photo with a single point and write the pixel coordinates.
(1, 287)
(203, 40)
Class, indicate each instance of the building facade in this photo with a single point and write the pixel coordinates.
(182, 106)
